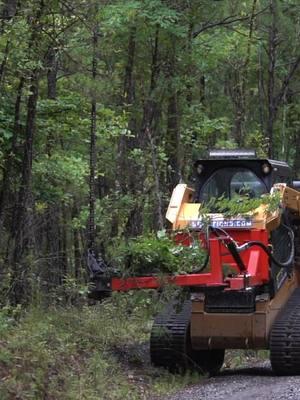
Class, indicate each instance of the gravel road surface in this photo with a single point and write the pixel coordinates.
(255, 383)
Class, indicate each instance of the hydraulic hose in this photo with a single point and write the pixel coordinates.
(231, 248)
(231, 245)
(235, 249)
(247, 245)
(202, 268)
(280, 264)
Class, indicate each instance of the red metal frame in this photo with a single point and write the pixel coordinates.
(255, 260)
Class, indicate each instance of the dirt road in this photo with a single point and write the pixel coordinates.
(243, 384)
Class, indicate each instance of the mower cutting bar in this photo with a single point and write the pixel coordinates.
(213, 278)
(154, 282)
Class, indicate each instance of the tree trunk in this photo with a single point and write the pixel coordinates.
(261, 91)
(297, 158)
(134, 225)
(202, 85)
(173, 142)
(272, 50)
(52, 66)
(173, 132)
(20, 232)
(158, 195)
(77, 254)
(3, 64)
(64, 269)
(9, 9)
(8, 165)
(127, 143)
(52, 273)
(93, 153)
(129, 94)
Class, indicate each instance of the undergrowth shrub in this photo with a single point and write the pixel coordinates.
(79, 353)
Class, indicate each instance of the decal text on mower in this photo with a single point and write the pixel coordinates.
(223, 223)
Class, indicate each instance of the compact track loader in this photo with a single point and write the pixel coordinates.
(253, 303)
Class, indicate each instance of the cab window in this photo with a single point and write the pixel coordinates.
(231, 182)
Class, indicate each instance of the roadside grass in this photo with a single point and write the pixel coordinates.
(84, 352)
(243, 358)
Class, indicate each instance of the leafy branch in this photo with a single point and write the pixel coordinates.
(240, 205)
(225, 22)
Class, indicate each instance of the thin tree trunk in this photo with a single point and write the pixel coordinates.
(239, 88)
(261, 91)
(8, 165)
(64, 245)
(20, 231)
(202, 88)
(134, 225)
(77, 254)
(93, 154)
(9, 9)
(129, 94)
(297, 152)
(52, 65)
(190, 70)
(158, 195)
(276, 98)
(18, 225)
(272, 50)
(173, 132)
(173, 142)
(51, 273)
(53, 242)
(3, 64)
(127, 143)
(28, 152)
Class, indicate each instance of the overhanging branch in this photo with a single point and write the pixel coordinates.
(287, 80)
(231, 19)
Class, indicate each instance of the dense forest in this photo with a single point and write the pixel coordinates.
(105, 104)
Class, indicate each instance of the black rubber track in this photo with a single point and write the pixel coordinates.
(285, 338)
(170, 344)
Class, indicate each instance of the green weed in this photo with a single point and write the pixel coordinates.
(90, 353)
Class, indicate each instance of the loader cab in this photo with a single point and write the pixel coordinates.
(237, 173)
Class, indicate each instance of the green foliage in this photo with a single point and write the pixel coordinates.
(61, 354)
(7, 319)
(188, 92)
(202, 127)
(145, 255)
(240, 204)
(83, 353)
(153, 12)
(188, 95)
(60, 177)
(256, 140)
(150, 254)
(240, 358)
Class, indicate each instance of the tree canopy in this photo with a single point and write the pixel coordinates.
(106, 103)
